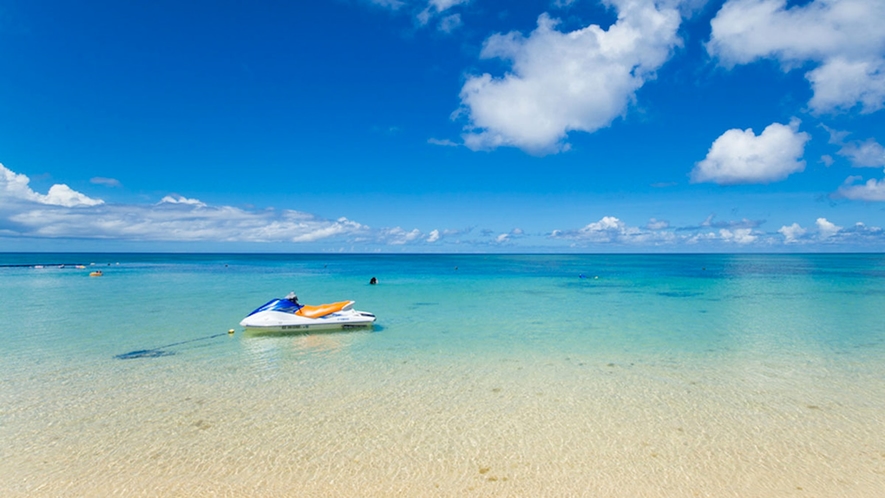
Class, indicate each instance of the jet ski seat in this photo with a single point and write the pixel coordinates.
(322, 310)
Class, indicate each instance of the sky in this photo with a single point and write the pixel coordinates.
(443, 126)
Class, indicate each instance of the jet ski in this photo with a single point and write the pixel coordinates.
(288, 315)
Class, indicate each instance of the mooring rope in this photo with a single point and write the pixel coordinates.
(160, 351)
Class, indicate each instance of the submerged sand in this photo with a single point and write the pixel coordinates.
(578, 425)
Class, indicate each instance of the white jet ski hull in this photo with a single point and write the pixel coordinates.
(273, 320)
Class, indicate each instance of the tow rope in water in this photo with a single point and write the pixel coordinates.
(161, 351)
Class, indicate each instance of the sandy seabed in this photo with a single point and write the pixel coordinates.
(566, 426)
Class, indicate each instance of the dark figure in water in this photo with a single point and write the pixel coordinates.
(373, 281)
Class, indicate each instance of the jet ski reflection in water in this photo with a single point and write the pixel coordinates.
(288, 315)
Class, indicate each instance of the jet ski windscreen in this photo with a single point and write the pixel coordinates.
(282, 305)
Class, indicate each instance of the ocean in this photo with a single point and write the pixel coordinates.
(485, 375)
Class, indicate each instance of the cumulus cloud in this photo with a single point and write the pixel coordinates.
(866, 154)
(738, 236)
(829, 233)
(15, 187)
(862, 233)
(792, 233)
(566, 81)
(608, 229)
(654, 224)
(843, 37)
(180, 222)
(177, 199)
(437, 235)
(873, 190)
(726, 235)
(62, 195)
(63, 212)
(739, 156)
(509, 236)
(398, 236)
(826, 229)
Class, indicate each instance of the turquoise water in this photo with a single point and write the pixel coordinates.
(663, 375)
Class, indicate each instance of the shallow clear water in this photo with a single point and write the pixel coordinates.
(654, 375)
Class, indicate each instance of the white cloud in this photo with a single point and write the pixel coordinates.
(15, 187)
(841, 84)
(509, 236)
(450, 23)
(63, 212)
(738, 236)
(844, 37)
(433, 237)
(179, 222)
(867, 154)
(861, 232)
(561, 82)
(436, 7)
(445, 142)
(108, 182)
(611, 231)
(826, 229)
(62, 195)
(607, 229)
(792, 233)
(444, 5)
(700, 237)
(177, 199)
(426, 11)
(319, 229)
(742, 157)
(828, 233)
(397, 236)
(654, 224)
(390, 4)
(872, 190)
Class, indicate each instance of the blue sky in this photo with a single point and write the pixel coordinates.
(443, 126)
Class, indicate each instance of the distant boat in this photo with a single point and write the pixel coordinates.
(96, 273)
